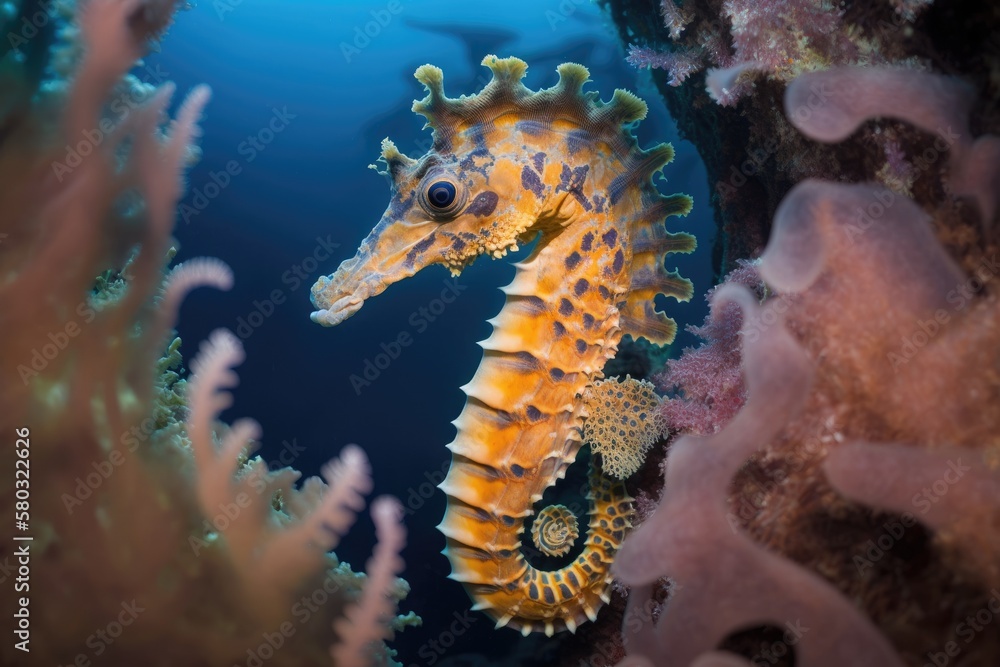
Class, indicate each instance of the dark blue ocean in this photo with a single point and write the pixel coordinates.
(302, 97)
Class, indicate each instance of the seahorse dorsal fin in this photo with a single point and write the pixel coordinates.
(651, 244)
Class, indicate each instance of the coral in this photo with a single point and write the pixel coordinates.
(680, 64)
(870, 333)
(623, 422)
(752, 153)
(141, 531)
(554, 530)
(269, 558)
(369, 620)
(708, 381)
(674, 17)
(745, 585)
(781, 38)
(966, 517)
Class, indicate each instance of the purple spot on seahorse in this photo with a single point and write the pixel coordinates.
(573, 260)
(418, 248)
(538, 160)
(484, 204)
(610, 237)
(571, 181)
(399, 206)
(587, 242)
(599, 202)
(619, 261)
(531, 181)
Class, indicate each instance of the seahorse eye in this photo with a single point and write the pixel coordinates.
(441, 194)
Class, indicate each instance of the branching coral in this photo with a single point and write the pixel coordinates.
(708, 380)
(753, 155)
(370, 619)
(779, 38)
(129, 518)
(872, 334)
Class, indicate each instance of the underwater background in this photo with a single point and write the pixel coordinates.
(817, 478)
(310, 188)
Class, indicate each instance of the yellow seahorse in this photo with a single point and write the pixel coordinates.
(507, 165)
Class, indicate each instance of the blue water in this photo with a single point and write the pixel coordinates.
(279, 71)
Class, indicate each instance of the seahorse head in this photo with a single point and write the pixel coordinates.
(486, 184)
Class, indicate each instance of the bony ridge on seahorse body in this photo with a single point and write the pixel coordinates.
(507, 165)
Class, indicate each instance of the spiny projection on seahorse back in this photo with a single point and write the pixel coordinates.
(507, 165)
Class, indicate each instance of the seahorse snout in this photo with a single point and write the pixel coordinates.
(340, 295)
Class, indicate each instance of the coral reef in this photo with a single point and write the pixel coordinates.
(153, 540)
(707, 382)
(752, 153)
(873, 378)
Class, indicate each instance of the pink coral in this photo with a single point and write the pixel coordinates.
(678, 64)
(876, 335)
(709, 380)
(742, 585)
(673, 17)
(131, 507)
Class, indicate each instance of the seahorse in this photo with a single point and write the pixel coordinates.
(508, 166)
